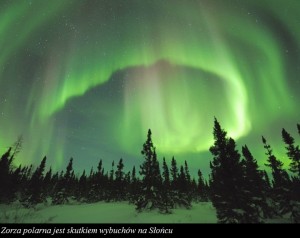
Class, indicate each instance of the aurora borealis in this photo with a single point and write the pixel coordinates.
(86, 79)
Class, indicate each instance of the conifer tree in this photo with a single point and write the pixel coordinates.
(112, 171)
(64, 185)
(149, 195)
(182, 181)
(267, 182)
(133, 190)
(280, 182)
(280, 177)
(183, 196)
(127, 186)
(227, 182)
(82, 188)
(96, 184)
(47, 183)
(120, 173)
(187, 173)
(17, 146)
(174, 174)
(111, 183)
(69, 179)
(293, 152)
(120, 182)
(254, 185)
(5, 179)
(201, 187)
(35, 187)
(167, 202)
(68, 174)
(194, 190)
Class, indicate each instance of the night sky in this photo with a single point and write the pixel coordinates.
(86, 79)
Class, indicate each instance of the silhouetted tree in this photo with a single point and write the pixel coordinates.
(174, 174)
(17, 146)
(280, 182)
(64, 186)
(82, 188)
(35, 189)
(5, 178)
(111, 183)
(149, 195)
(187, 173)
(254, 185)
(47, 183)
(167, 201)
(97, 184)
(227, 182)
(201, 188)
(182, 196)
(120, 182)
(126, 186)
(293, 152)
(134, 186)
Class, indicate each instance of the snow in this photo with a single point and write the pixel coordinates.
(116, 212)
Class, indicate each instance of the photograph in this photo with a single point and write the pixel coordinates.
(148, 116)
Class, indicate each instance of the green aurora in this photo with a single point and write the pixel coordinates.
(88, 78)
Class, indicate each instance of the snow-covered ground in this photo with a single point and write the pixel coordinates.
(117, 212)
(114, 212)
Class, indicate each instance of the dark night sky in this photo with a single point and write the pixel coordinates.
(88, 78)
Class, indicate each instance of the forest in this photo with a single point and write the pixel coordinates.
(238, 188)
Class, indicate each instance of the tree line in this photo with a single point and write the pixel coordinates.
(240, 191)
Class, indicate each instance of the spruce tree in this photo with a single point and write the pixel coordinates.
(280, 183)
(174, 174)
(48, 186)
(111, 184)
(149, 195)
(119, 182)
(97, 184)
(267, 183)
(68, 174)
(69, 179)
(5, 178)
(182, 181)
(16, 180)
(64, 185)
(187, 173)
(112, 171)
(126, 186)
(280, 177)
(35, 187)
(201, 188)
(167, 202)
(194, 190)
(254, 185)
(166, 174)
(189, 188)
(293, 152)
(120, 173)
(227, 182)
(17, 146)
(183, 196)
(133, 190)
(82, 188)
